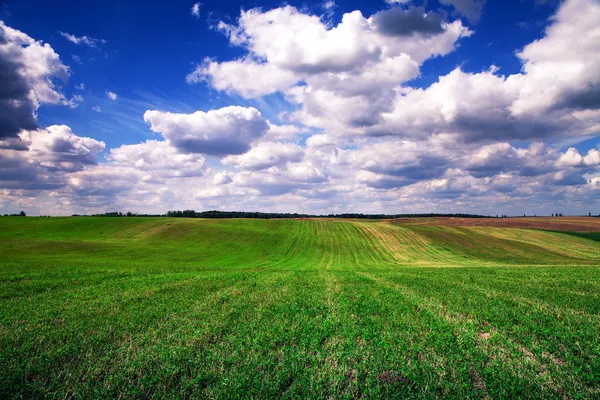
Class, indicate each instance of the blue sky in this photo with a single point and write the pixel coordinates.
(153, 57)
(151, 47)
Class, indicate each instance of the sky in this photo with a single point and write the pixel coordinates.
(378, 106)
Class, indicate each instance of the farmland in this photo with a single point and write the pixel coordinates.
(317, 308)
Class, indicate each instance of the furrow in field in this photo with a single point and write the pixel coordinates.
(566, 245)
(504, 350)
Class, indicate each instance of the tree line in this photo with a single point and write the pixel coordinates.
(21, 214)
(263, 215)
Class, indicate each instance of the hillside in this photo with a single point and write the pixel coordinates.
(166, 307)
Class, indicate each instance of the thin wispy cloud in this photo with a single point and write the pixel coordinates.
(85, 40)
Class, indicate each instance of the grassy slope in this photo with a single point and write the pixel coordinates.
(240, 308)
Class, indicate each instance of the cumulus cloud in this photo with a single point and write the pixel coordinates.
(103, 181)
(229, 130)
(562, 69)
(246, 77)
(471, 9)
(559, 81)
(309, 50)
(358, 137)
(572, 158)
(282, 132)
(49, 156)
(399, 22)
(265, 155)
(27, 70)
(158, 159)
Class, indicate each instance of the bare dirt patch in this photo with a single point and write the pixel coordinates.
(478, 383)
(569, 224)
(391, 377)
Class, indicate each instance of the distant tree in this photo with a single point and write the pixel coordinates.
(22, 214)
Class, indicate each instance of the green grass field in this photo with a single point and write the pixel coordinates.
(189, 308)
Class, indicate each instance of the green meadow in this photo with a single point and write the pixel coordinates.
(223, 309)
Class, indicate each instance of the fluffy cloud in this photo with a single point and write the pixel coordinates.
(157, 159)
(342, 79)
(562, 70)
(48, 157)
(306, 49)
(229, 130)
(195, 10)
(27, 70)
(282, 132)
(112, 96)
(399, 22)
(471, 9)
(103, 181)
(265, 155)
(572, 158)
(358, 137)
(561, 75)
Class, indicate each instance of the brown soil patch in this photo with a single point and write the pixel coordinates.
(478, 383)
(528, 355)
(570, 224)
(391, 377)
(484, 336)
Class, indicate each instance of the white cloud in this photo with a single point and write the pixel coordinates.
(266, 155)
(308, 50)
(222, 178)
(319, 140)
(572, 158)
(103, 181)
(97, 109)
(229, 130)
(85, 40)
(560, 77)
(50, 155)
(246, 77)
(112, 96)
(158, 159)
(282, 132)
(29, 71)
(357, 136)
(342, 78)
(75, 101)
(563, 68)
(195, 10)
